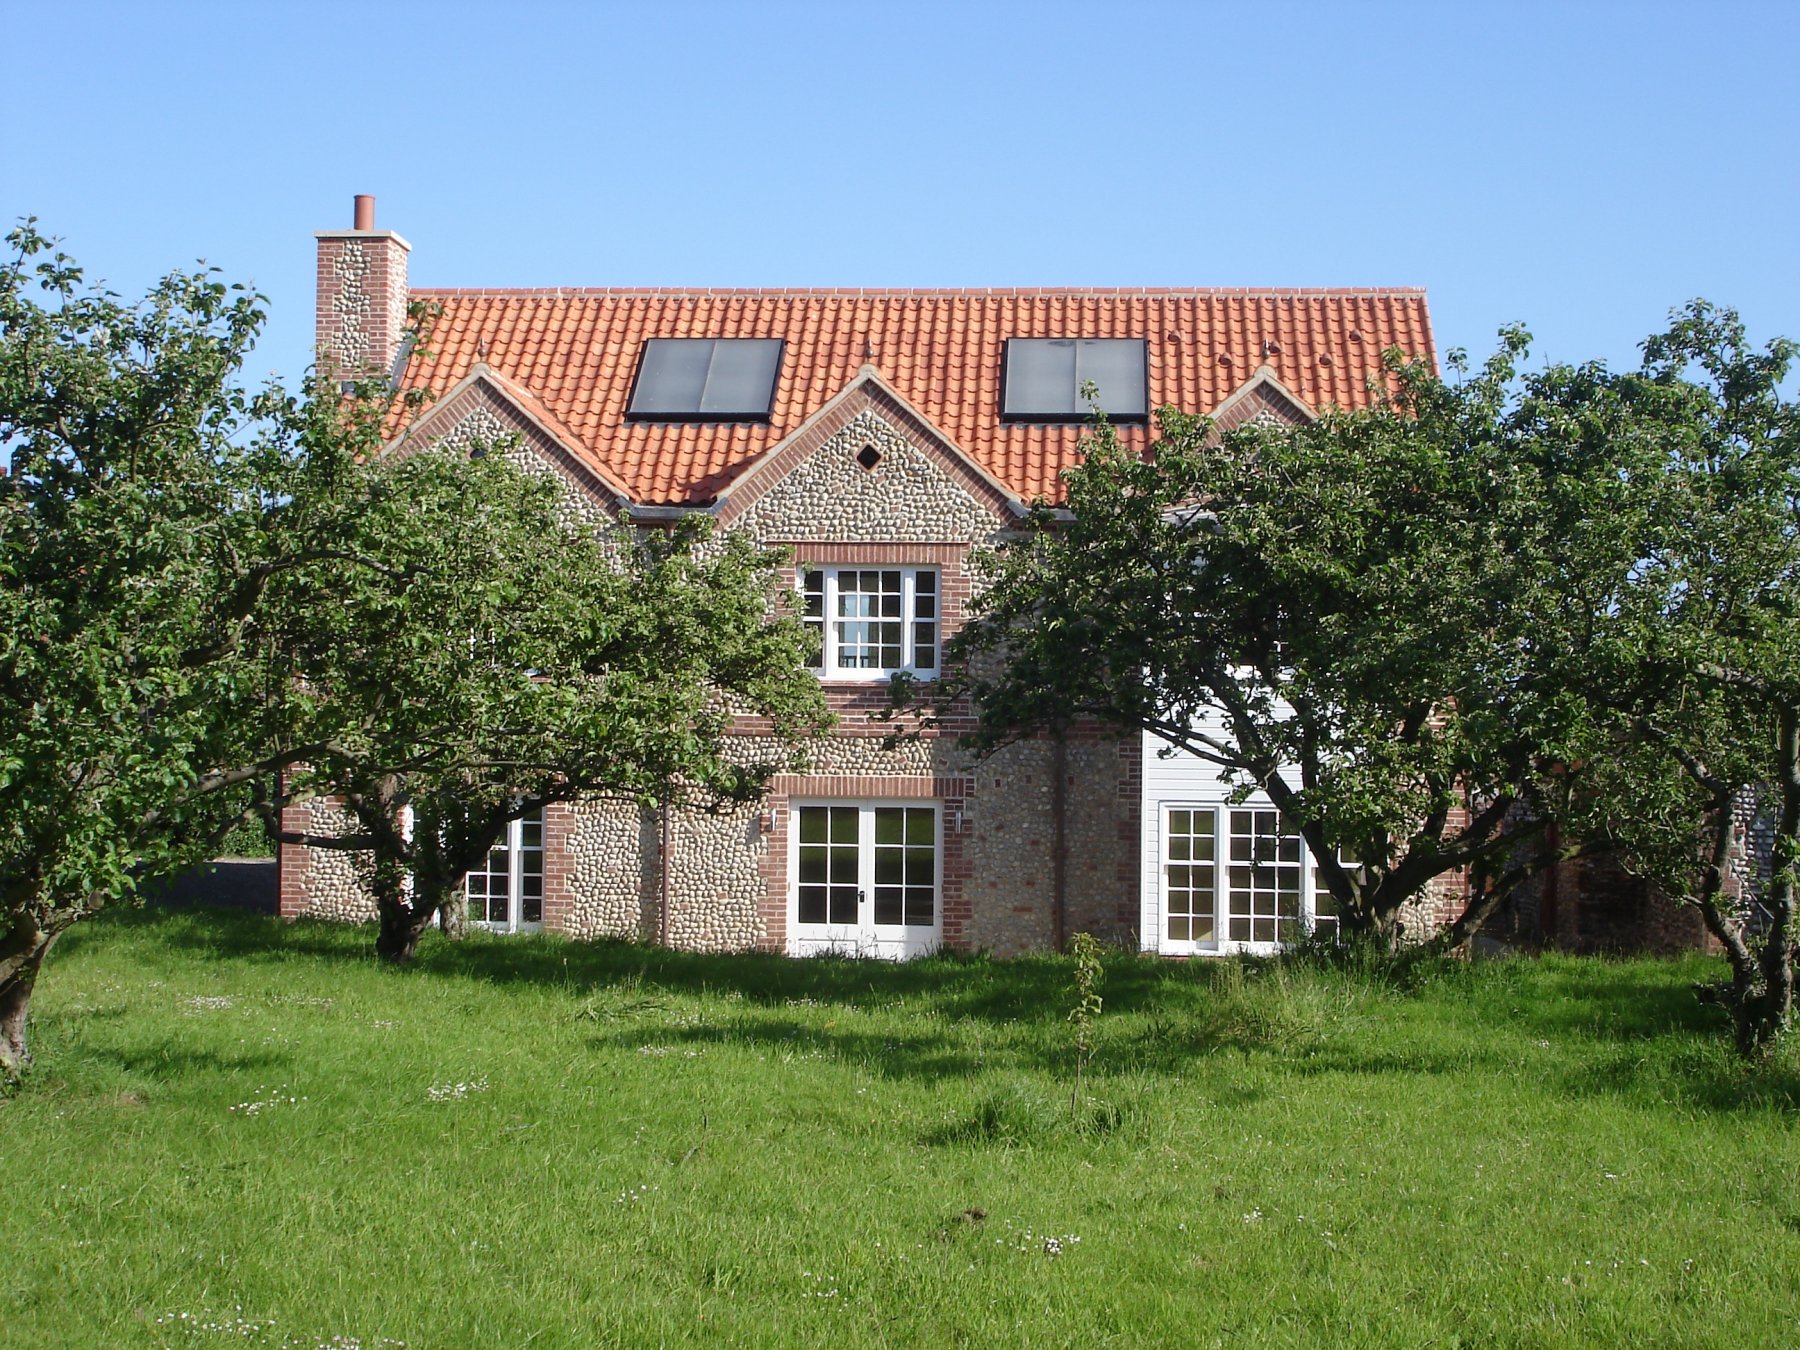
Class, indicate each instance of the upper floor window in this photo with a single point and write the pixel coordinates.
(706, 380)
(872, 622)
(1044, 377)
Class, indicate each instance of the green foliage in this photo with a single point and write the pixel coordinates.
(1376, 618)
(214, 601)
(1088, 975)
(150, 504)
(1708, 710)
(502, 652)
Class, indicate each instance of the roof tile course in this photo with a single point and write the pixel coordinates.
(576, 352)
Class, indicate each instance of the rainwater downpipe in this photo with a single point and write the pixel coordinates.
(1059, 825)
(664, 875)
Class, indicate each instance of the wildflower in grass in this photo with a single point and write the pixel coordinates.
(206, 1002)
(632, 1194)
(455, 1092)
(265, 1101)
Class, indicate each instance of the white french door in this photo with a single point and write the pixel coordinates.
(864, 879)
(1236, 878)
(506, 894)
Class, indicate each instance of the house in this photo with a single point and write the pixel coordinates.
(880, 436)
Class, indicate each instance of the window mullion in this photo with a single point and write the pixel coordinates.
(829, 660)
(908, 612)
(865, 865)
(515, 886)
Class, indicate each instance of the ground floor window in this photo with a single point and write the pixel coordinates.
(506, 893)
(1237, 877)
(865, 878)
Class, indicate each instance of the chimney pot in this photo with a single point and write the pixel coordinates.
(365, 211)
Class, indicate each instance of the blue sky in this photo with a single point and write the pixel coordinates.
(1582, 168)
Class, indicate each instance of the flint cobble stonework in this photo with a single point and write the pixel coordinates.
(724, 876)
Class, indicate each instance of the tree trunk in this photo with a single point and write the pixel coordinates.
(21, 957)
(403, 918)
(402, 926)
(453, 915)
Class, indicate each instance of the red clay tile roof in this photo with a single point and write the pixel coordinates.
(577, 351)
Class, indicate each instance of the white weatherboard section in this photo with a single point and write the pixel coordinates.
(1179, 780)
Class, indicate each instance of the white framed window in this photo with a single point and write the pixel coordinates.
(1236, 878)
(865, 878)
(873, 622)
(506, 893)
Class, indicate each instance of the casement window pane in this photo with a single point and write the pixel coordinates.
(872, 621)
(890, 826)
(813, 824)
(1264, 897)
(1189, 895)
(921, 906)
(843, 824)
(843, 904)
(890, 904)
(812, 614)
(921, 826)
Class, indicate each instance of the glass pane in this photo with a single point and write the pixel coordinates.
(925, 646)
(1203, 925)
(813, 824)
(1040, 378)
(1240, 929)
(921, 869)
(1181, 822)
(812, 865)
(1117, 366)
(919, 825)
(843, 866)
(921, 906)
(890, 904)
(890, 825)
(1179, 927)
(1179, 844)
(843, 904)
(844, 825)
(811, 908)
(672, 376)
(741, 377)
(531, 909)
(890, 867)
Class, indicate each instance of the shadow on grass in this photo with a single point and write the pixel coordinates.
(1664, 1044)
(924, 1057)
(171, 1063)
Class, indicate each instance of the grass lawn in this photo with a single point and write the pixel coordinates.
(247, 1133)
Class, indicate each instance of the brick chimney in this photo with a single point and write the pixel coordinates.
(361, 297)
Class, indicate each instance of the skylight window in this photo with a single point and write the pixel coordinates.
(1044, 376)
(706, 380)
